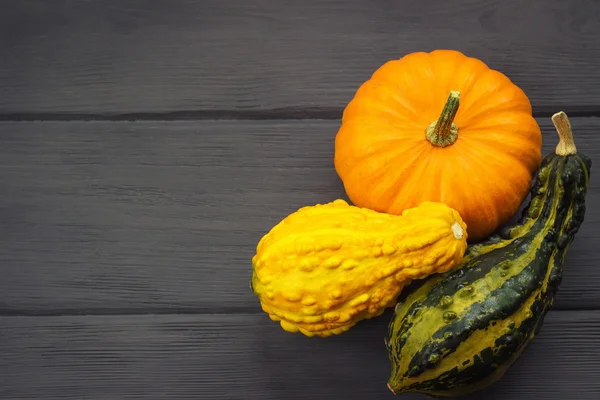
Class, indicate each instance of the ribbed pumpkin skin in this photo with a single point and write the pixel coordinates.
(461, 331)
(386, 163)
(326, 267)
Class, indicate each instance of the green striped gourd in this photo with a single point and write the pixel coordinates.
(460, 331)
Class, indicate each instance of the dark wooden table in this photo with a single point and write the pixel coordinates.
(146, 146)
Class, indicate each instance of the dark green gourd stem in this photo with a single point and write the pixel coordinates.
(444, 132)
(566, 145)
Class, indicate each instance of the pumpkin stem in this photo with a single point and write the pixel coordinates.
(444, 131)
(566, 145)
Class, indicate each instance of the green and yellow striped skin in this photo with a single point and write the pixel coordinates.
(460, 331)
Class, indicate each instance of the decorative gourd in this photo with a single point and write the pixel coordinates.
(325, 267)
(460, 331)
(395, 150)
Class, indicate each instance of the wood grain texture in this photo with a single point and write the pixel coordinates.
(232, 58)
(249, 357)
(133, 217)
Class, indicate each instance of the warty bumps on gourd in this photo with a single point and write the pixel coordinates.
(325, 267)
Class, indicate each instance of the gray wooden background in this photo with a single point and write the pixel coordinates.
(146, 146)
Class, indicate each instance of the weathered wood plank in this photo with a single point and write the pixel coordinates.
(128, 217)
(112, 57)
(249, 357)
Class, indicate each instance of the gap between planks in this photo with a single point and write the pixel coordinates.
(172, 312)
(127, 312)
(319, 113)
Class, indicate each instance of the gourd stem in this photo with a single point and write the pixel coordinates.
(566, 145)
(444, 131)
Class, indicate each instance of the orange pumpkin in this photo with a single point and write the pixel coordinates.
(440, 127)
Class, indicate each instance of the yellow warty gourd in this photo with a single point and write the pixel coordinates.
(325, 267)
